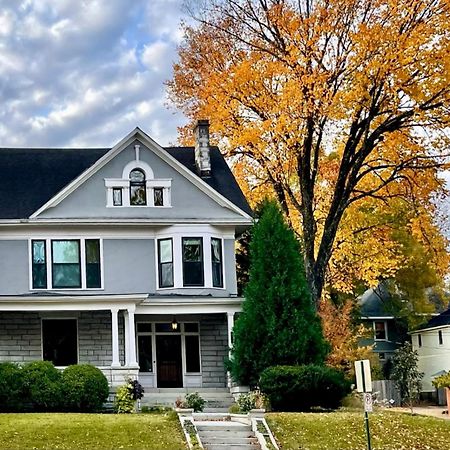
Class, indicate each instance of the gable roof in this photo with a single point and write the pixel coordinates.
(437, 321)
(374, 303)
(30, 178)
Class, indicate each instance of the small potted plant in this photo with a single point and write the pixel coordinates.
(443, 381)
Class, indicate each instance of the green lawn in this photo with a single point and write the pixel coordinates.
(344, 430)
(91, 431)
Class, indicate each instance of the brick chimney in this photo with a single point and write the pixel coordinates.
(202, 155)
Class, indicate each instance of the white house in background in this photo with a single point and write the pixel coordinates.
(432, 342)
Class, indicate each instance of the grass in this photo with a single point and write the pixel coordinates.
(344, 430)
(91, 431)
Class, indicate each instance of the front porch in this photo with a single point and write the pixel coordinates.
(170, 343)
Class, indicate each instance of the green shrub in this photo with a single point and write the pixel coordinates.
(195, 401)
(124, 402)
(11, 387)
(442, 381)
(278, 324)
(85, 388)
(251, 400)
(299, 388)
(42, 386)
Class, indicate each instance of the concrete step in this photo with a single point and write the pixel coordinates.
(228, 440)
(232, 447)
(182, 391)
(223, 427)
(219, 433)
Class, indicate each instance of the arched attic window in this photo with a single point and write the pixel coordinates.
(138, 194)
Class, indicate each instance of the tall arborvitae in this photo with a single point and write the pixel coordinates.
(278, 323)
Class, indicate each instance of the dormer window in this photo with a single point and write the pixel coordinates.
(138, 187)
(138, 195)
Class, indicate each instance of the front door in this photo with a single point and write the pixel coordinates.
(168, 361)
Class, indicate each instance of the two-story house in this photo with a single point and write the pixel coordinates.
(121, 257)
(387, 332)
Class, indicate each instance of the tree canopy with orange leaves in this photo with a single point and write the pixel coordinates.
(338, 108)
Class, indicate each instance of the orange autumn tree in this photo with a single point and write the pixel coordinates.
(331, 106)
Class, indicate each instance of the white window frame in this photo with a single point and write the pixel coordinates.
(385, 331)
(60, 318)
(49, 262)
(150, 184)
(177, 254)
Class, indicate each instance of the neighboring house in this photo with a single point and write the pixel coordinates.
(432, 342)
(121, 257)
(388, 332)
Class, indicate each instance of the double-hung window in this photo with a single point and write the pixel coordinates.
(66, 264)
(193, 261)
(165, 262)
(39, 264)
(216, 262)
(93, 270)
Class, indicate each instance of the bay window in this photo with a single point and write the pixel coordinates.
(192, 261)
(216, 262)
(165, 262)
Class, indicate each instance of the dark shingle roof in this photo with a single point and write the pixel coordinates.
(31, 177)
(222, 179)
(438, 321)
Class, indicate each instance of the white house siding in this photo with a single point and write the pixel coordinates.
(433, 358)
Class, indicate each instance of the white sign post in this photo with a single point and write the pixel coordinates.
(364, 385)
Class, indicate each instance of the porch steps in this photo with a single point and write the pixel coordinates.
(224, 432)
(217, 399)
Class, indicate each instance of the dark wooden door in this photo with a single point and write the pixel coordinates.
(168, 361)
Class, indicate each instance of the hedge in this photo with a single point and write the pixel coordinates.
(40, 386)
(300, 388)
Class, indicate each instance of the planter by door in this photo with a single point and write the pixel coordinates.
(168, 361)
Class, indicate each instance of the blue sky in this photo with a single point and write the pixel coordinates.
(86, 72)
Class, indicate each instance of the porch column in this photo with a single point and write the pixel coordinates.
(230, 323)
(127, 338)
(115, 337)
(132, 361)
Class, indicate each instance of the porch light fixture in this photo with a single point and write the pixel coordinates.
(174, 324)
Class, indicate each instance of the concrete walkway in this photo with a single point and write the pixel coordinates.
(432, 411)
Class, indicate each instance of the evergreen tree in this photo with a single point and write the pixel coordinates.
(278, 324)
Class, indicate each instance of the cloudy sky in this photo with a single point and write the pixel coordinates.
(75, 73)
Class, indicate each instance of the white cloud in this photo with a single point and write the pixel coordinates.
(86, 73)
(155, 55)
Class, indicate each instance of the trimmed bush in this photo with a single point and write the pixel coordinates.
(42, 386)
(85, 388)
(300, 388)
(11, 387)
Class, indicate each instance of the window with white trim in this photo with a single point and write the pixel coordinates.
(66, 264)
(60, 341)
(380, 330)
(165, 262)
(193, 267)
(216, 262)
